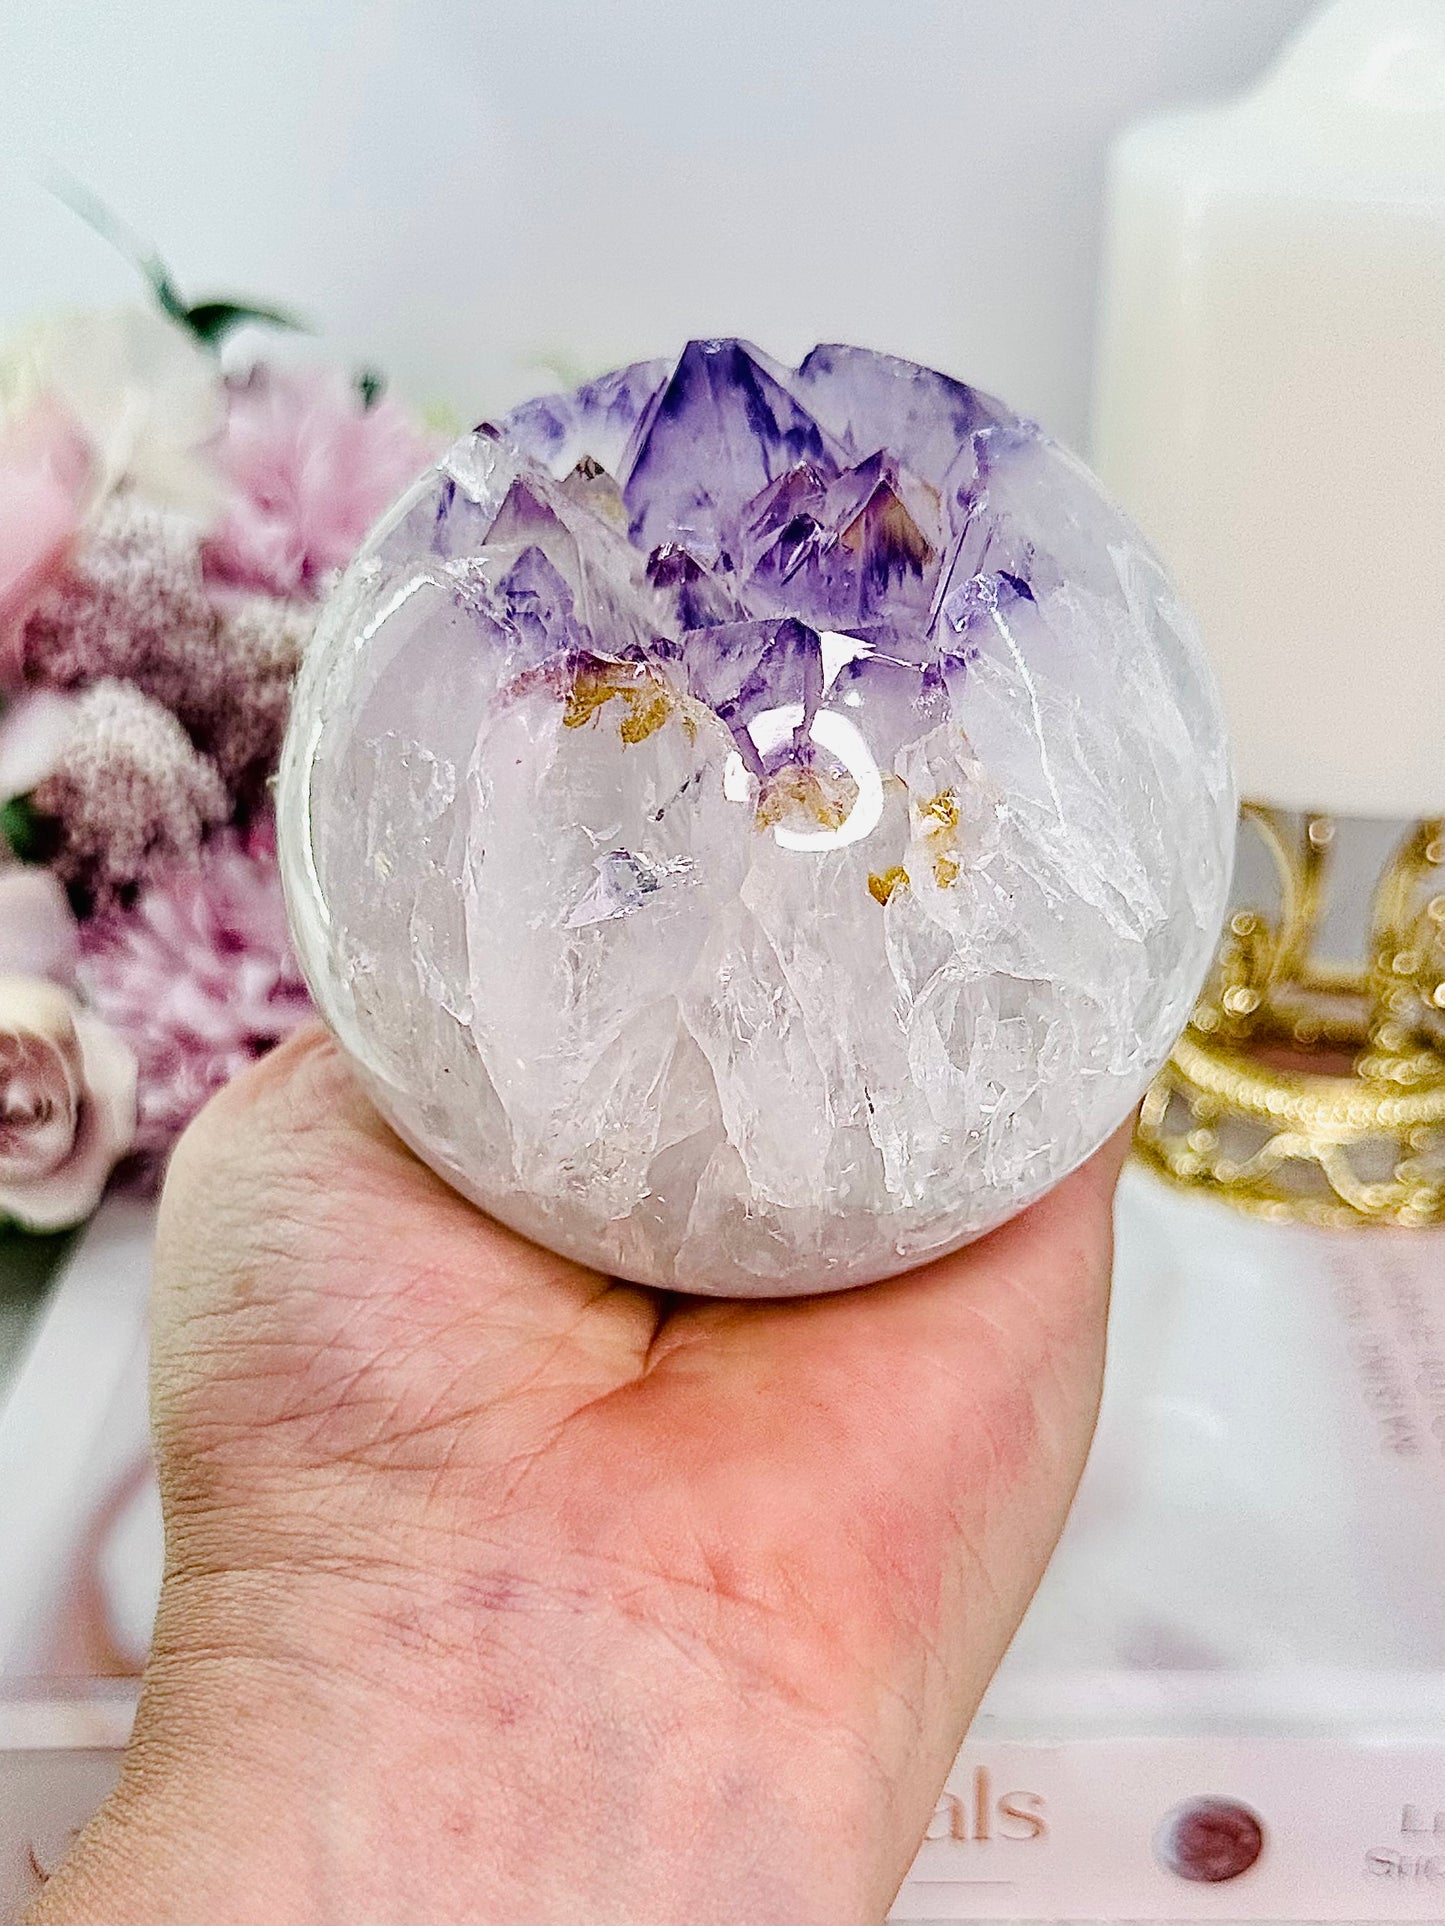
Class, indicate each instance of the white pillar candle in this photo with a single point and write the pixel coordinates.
(1270, 400)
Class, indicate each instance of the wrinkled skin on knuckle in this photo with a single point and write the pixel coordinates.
(230, 1359)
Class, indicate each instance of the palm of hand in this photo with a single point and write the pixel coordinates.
(785, 1539)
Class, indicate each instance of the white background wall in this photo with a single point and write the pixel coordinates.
(464, 191)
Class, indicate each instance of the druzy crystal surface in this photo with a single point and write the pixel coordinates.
(756, 828)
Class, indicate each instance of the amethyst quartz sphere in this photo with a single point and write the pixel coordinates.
(756, 828)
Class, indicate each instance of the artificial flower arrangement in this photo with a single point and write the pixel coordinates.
(167, 529)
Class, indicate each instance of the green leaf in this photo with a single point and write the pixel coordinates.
(164, 289)
(30, 835)
(211, 321)
(370, 385)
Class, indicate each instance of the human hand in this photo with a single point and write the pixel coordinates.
(496, 1590)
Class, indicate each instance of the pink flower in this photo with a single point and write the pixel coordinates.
(145, 394)
(239, 713)
(67, 1105)
(129, 790)
(45, 474)
(197, 976)
(312, 468)
(35, 727)
(132, 605)
(38, 933)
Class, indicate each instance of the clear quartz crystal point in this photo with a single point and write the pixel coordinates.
(755, 829)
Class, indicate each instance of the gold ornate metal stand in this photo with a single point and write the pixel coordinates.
(1307, 1088)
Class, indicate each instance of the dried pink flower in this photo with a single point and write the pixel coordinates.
(132, 605)
(197, 976)
(257, 645)
(312, 468)
(130, 790)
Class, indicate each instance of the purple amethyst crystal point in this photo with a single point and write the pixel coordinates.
(452, 518)
(902, 700)
(885, 541)
(715, 434)
(525, 515)
(742, 670)
(754, 829)
(871, 401)
(699, 596)
(537, 603)
(597, 421)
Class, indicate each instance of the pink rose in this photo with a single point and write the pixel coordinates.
(67, 1105)
(45, 477)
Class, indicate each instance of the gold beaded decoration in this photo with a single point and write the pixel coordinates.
(1307, 1088)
